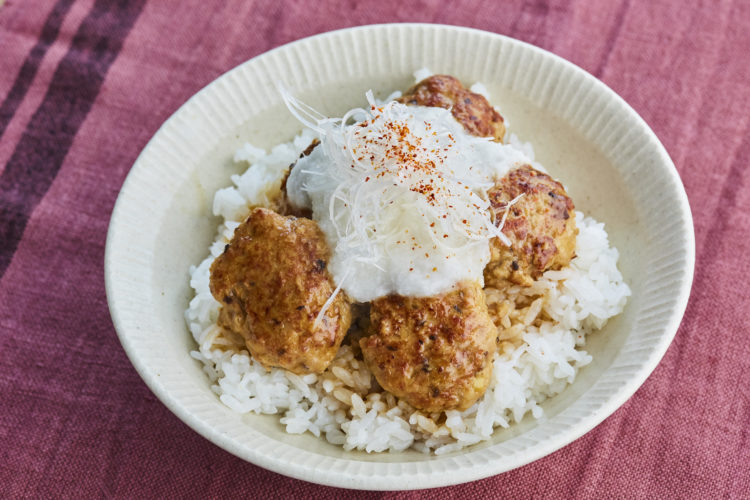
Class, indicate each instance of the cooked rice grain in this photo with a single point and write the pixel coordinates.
(542, 329)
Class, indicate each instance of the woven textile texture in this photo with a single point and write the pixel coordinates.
(85, 83)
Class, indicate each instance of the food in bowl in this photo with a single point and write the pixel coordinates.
(413, 281)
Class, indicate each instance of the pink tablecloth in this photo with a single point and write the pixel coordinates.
(85, 83)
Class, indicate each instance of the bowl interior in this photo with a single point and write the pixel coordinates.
(586, 136)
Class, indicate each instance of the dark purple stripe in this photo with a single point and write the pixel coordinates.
(529, 24)
(50, 133)
(609, 45)
(30, 66)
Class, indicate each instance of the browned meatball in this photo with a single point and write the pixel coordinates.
(281, 203)
(434, 352)
(540, 226)
(471, 110)
(272, 283)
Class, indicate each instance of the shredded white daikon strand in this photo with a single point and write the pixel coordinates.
(328, 303)
(401, 194)
(512, 202)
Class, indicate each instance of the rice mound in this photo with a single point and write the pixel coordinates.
(542, 329)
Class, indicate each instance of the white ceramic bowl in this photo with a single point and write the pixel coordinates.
(613, 165)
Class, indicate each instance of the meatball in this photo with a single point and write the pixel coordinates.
(281, 202)
(540, 226)
(434, 352)
(272, 282)
(471, 110)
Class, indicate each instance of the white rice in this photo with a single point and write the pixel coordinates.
(537, 359)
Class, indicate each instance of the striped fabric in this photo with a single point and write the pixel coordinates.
(85, 83)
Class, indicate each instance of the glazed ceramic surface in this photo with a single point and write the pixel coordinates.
(612, 164)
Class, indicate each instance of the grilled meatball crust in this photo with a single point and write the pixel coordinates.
(281, 203)
(540, 225)
(272, 283)
(471, 110)
(434, 352)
